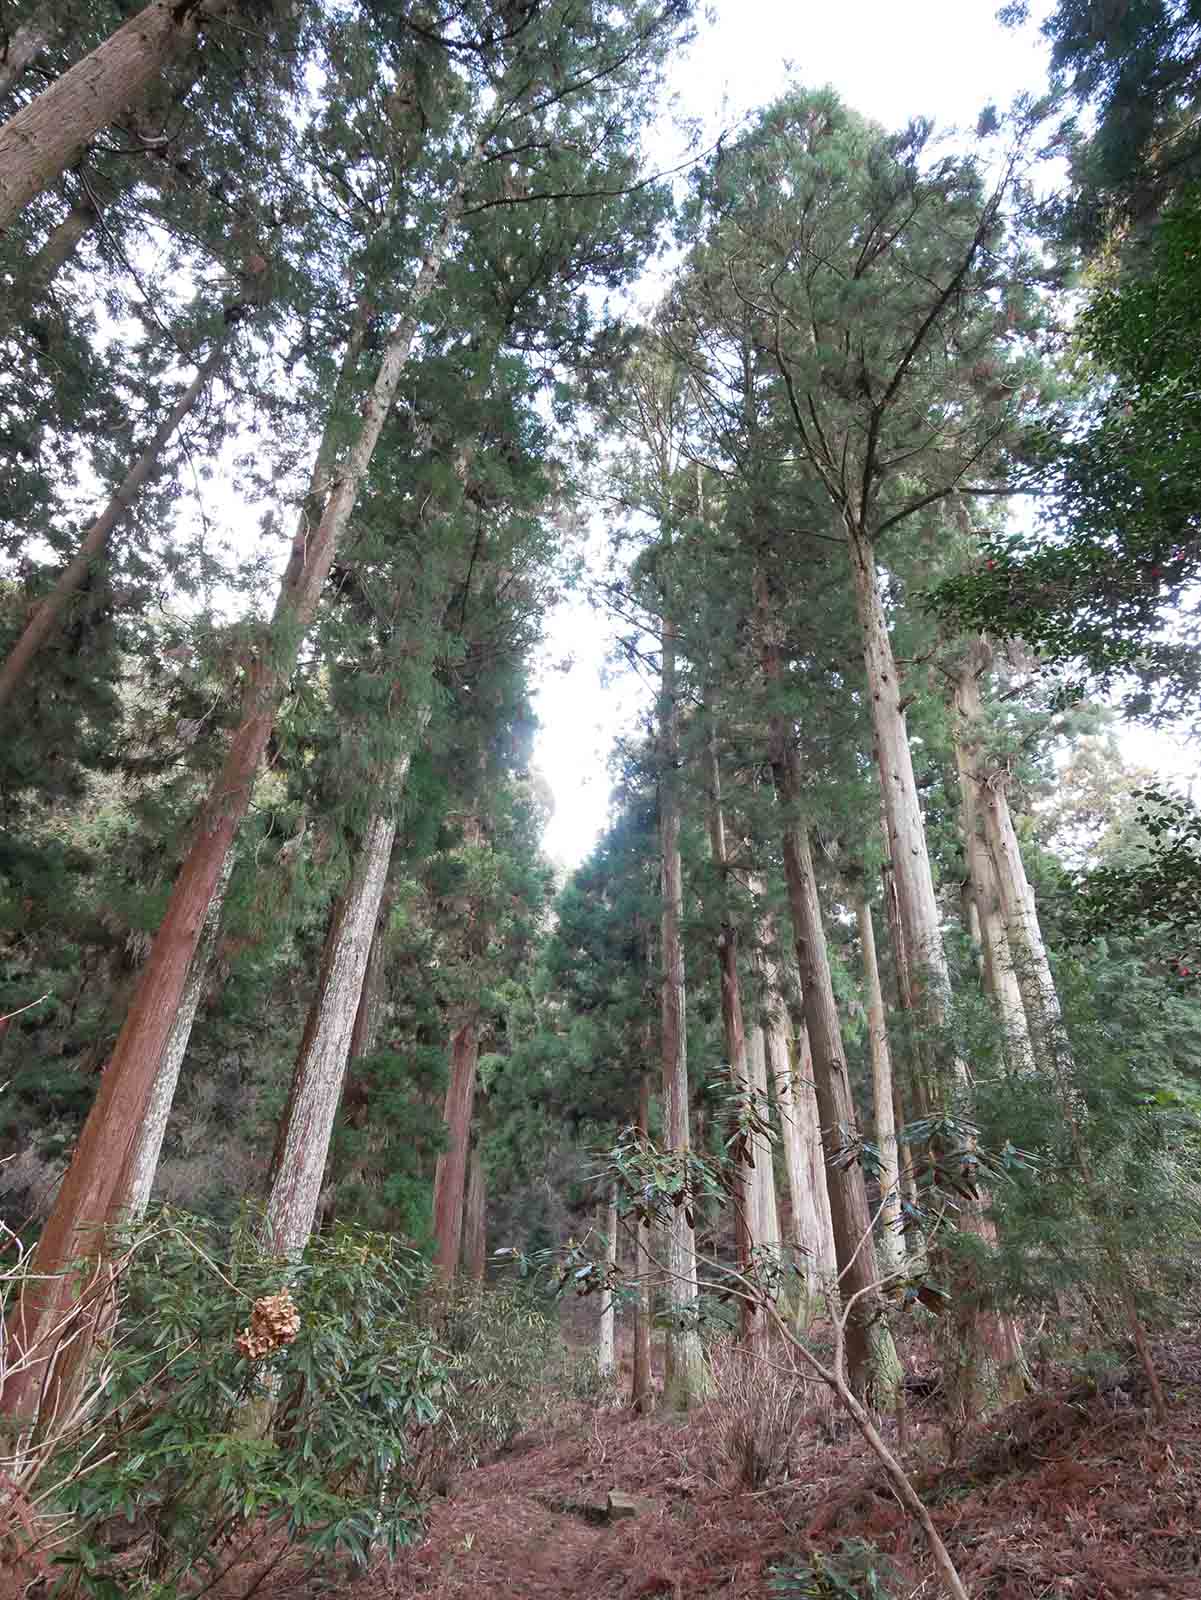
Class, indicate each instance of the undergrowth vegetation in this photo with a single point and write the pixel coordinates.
(249, 1403)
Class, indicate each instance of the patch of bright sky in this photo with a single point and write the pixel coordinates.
(943, 59)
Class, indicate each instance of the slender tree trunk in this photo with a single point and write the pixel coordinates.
(42, 139)
(892, 1247)
(684, 1379)
(49, 611)
(871, 1357)
(475, 1236)
(1035, 980)
(904, 824)
(766, 1212)
(302, 1144)
(134, 1193)
(364, 1036)
(640, 1389)
(812, 1231)
(23, 47)
(451, 1171)
(746, 1156)
(1000, 976)
(790, 1064)
(87, 1190)
(606, 1346)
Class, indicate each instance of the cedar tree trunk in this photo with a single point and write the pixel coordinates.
(44, 137)
(903, 817)
(450, 1174)
(892, 1246)
(475, 1235)
(872, 1366)
(605, 1333)
(87, 1191)
(744, 1153)
(302, 1145)
(1000, 976)
(134, 1194)
(640, 1395)
(684, 1380)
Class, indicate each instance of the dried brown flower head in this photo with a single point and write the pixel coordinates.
(274, 1322)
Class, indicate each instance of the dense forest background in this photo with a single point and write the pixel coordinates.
(343, 1136)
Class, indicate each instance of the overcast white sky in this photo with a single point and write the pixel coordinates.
(944, 59)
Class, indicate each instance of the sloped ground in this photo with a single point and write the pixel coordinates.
(1070, 1495)
(1067, 1496)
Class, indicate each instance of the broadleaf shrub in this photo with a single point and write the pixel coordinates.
(199, 1453)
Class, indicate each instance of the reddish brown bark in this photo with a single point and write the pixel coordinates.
(44, 137)
(89, 1187)
(450, 1176)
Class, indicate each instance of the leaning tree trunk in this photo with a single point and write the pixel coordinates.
(44, 137)
(49, 610)
(302, 1144)
(88, 1189)
(746, 1153)
(606, 1346)
(684, 1380)
(903, 816)
(134, 1191)
(892, 1246)
(1000, 975)
(640, 1389)
(450, 1173)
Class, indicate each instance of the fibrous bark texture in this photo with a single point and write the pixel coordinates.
(891, 1246)
(1000, 976)
(44, 137)
(136, 1188)
(450, 1174)
(898, 786)
(308, 1121)
(475, 1233)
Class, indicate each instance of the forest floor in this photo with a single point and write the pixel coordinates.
(1072, 1494)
